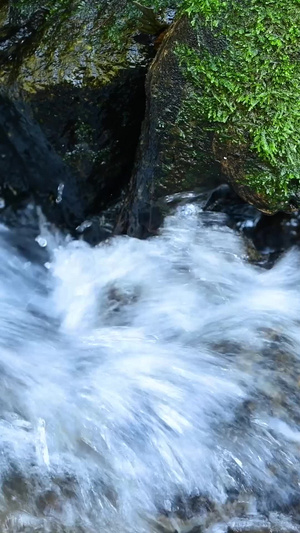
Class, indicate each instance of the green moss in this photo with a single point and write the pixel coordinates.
(245, 80)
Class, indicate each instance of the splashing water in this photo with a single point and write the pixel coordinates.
(149, 385)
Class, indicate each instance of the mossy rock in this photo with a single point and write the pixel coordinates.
(223, 100)
(4, 14)
(245, 81)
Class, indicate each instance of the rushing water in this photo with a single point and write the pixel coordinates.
(149, 385)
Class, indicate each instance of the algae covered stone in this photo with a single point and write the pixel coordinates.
(245, 82)
(82, 43)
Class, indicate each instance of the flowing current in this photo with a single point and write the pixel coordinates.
(149, 385)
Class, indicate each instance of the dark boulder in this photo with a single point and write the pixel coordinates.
(30, 167)
(95, 130)
(80, 75)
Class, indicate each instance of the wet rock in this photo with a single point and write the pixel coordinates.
(269, 235)
(16, 37)
(209, 114)
(30, 167)
(81, 75)
(169, 159)
(95, 131)
(81, 44)
(148, 22)
(4, 14)
(24, 231)
(277, 233)
(240, 215)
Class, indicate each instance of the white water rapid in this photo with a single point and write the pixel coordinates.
(149, 385)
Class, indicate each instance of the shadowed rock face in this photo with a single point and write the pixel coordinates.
(29, 166)
(95, 131)
(15, 37)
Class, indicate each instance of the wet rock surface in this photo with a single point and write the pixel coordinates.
(172, 156)
(270, 235)
(74, 159)
(266, 237)
(95, 131)
(30, 167)
(83, 94)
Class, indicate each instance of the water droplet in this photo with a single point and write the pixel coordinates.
(86, 224)
(41, 443)
(238, 462)
(41, 241)
(60, 190)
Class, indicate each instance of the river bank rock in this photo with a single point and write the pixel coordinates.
(81, 75)
(222, 101)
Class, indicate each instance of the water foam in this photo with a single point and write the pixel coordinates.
(139, 375)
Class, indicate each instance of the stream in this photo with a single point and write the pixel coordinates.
(149, 386)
